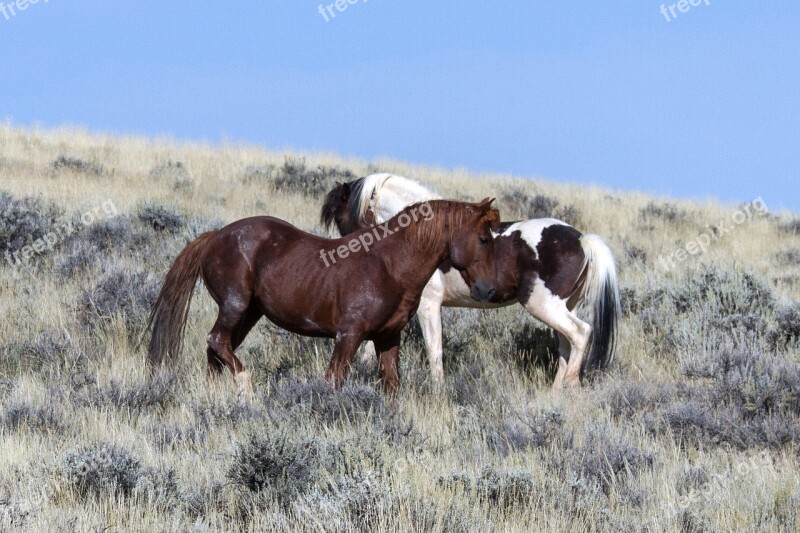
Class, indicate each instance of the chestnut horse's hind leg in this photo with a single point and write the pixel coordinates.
(389, 350)
(227, 334)
(215, 364)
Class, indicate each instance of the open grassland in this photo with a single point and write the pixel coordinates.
(696, 427)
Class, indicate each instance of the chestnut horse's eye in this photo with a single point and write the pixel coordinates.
(484, 240)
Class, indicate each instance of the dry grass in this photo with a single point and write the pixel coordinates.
(697, 426)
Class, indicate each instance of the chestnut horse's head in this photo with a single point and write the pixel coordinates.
(468, 225)
(467, 230)
(472, 248)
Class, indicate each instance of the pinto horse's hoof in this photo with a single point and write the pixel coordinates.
(244, 385)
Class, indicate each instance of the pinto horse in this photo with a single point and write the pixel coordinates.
(545, 265)
(366, 286)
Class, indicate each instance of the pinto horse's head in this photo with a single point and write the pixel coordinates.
(472, 249)
(337, 208)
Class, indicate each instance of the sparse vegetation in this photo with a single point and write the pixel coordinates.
(520, 204)
(78, 166)
(161, 218)
(24, 220)
(695, 427)
(294, 176)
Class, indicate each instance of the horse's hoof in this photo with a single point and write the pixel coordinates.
(244, 385)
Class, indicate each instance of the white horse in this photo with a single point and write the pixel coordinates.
(546, 265)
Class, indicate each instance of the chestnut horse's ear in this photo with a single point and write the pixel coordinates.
(493, 217)
(345, 196)
(485, 204)
(490, 214)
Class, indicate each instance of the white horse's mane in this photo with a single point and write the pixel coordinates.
(387, 194)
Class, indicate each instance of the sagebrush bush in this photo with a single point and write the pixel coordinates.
(102, 468)
(171, 172)
(25, 220)
(152, 393)
(161, 218)
(693, 478)
(24, 416)
(522, 431)
(635, 254)
(729, 397)
(43, 351)
(277, 465)
(79, 257)
(510, 489)
(789, 257)
(166, 435)
(606, 460)
(77, 165)
(119, 292)
(294, 176)
(787, 325)
(107, 469)
(211, 414)
(318, 398)
(666, 211)
(364, 502)
(352, 500)
(258, 174)
(793, 226)
(519, 204)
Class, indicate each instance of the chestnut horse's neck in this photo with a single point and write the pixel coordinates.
(420, 238)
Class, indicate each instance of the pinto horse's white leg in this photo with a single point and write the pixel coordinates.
(369, 356)
(563, 357)
(553, 311)
(430, 320)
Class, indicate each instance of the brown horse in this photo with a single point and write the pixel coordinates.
(366, 286)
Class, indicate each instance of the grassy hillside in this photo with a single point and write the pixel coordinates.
(696, 426)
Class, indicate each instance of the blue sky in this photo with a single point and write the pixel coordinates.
(610, 93)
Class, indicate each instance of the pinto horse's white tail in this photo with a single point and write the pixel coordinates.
(601, 300)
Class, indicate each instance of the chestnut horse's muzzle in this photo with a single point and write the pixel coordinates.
(483, 291)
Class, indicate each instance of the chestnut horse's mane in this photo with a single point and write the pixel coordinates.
(447, 217)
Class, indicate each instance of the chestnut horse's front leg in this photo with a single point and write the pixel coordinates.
(345, 347)
(389, 362)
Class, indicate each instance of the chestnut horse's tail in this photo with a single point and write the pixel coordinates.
(168, 319)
